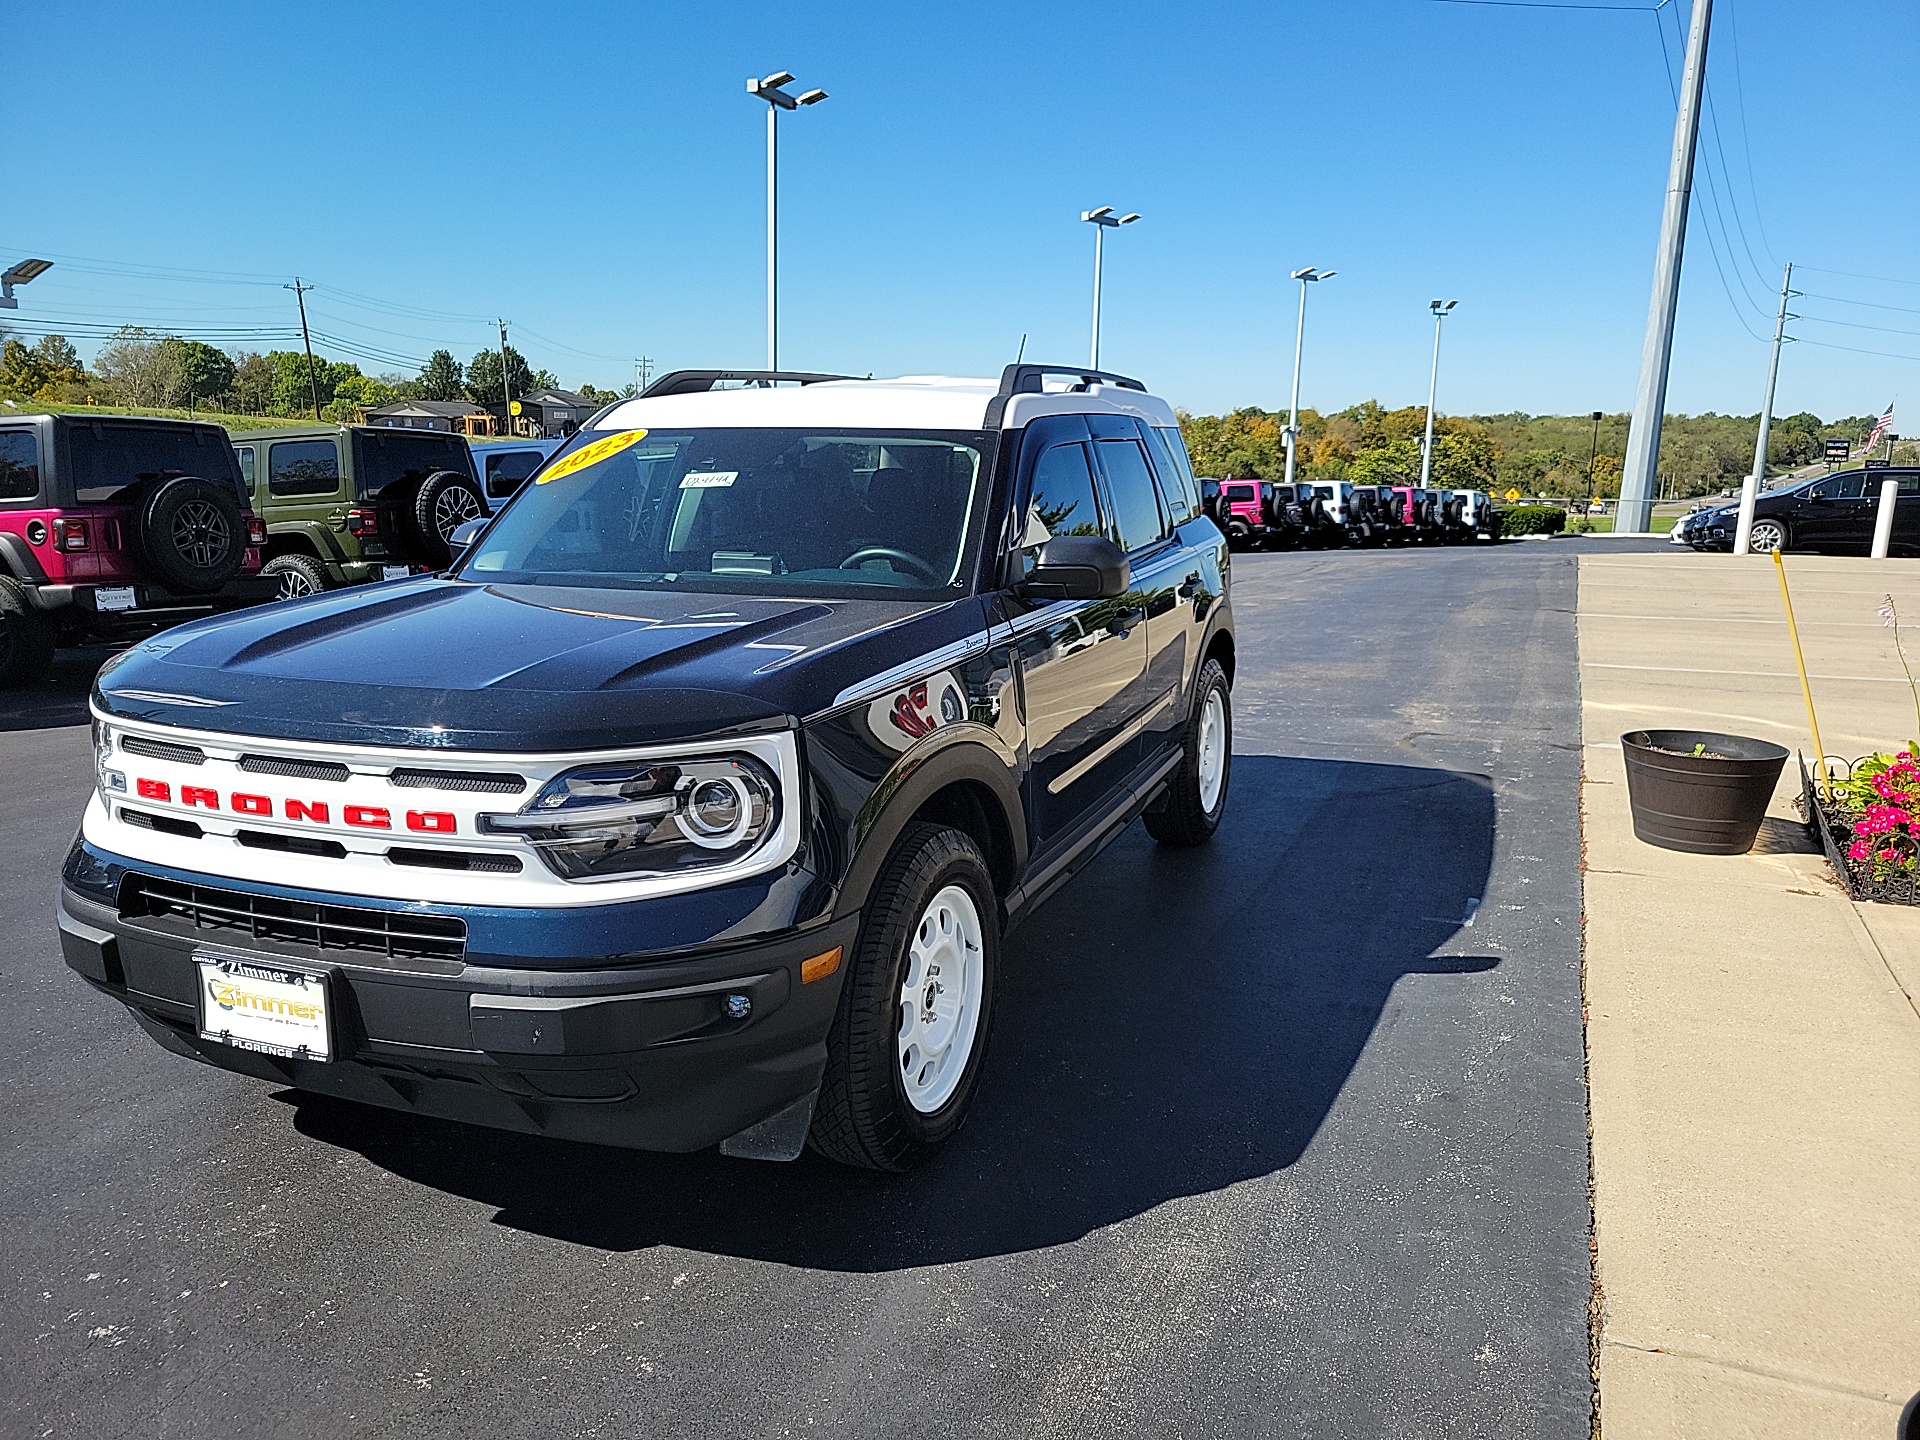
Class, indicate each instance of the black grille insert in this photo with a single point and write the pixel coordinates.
(291, 844)
(295, 769)
(163, 750)
(165, 824)
(479, 860)
(488, 781)
(294, 925)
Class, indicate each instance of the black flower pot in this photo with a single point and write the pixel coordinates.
(1710, 803)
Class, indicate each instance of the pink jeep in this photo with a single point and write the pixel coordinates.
(112, 526)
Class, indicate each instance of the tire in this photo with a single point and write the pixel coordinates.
(1239, 536)
(1767, 535)
(299, 576)
(886, 1102)
(189, 533)
(445, 501)
(1197, 793)
(26, 637)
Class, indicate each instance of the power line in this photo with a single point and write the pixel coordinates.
(1545, 5)
(1746, 139)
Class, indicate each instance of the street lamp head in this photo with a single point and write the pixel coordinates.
(1128, 219)
(1441, 307)
(25, 271)
(1305, 272)
(813, 97)
(778, 78)
(1097, 215)
(768, 89)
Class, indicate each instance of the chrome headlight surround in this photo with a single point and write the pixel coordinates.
(701, 814)
(107, 780)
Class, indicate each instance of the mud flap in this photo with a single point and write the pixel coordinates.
(781, 1136)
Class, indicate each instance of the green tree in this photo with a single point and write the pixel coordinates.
(441, 378)
(292, 391)
(61, 360)
(253, 381)
(483, 377)
(201, 371)
(1386, 462)
(21, 370)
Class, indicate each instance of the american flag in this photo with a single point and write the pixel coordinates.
(1879, 430)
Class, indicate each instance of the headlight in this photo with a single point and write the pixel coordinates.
(109, 780)
(648, 817)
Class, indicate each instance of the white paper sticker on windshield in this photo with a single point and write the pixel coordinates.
(708, 479)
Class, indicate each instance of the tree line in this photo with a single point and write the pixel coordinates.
(1534, 454)
(138, 368)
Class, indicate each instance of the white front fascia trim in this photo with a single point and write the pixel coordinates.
(365, 870)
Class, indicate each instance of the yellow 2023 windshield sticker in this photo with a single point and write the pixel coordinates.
(591, 453)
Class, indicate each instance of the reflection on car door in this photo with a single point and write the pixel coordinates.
(1833, 515)
(1081, 661)
(1906, 508)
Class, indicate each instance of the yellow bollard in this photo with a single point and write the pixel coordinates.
(1819, 750)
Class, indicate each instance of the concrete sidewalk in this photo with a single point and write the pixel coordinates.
(1753, 1037)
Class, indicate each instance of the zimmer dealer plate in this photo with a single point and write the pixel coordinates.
(264, 1005)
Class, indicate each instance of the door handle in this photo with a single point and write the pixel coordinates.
(1125, 620)
(1190, 586)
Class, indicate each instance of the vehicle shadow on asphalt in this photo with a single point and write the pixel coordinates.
(1170, 1024)
(59, 698)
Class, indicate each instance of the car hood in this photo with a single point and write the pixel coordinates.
(457, 665)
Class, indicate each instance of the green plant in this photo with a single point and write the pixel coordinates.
(1580, 525)
(1532, 520)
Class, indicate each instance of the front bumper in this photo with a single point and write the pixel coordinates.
(642, 1053)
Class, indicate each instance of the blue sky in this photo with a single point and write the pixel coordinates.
(594, 173)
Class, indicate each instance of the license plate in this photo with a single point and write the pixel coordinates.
(394, 572)
(256, 1004)
(115, 597)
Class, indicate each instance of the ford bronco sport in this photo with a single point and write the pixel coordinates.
(113, 525)
(348, 503)
(690, 804)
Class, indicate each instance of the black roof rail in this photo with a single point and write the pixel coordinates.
(1028, 379)
(695, 382)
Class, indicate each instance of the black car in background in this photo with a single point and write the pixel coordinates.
(1828, 513)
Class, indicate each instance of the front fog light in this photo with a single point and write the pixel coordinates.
(602, 822)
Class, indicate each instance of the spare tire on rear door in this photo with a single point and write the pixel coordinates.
(445, 501)
(189, 533)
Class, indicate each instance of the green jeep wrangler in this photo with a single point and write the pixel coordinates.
(350, 503)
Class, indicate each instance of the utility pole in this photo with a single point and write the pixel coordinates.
(1650, 401)
(643, 370)
(506, 385)
(1306, 275)
(1593, 456)
(313, 379)
(1750, 487)
(1440, 309)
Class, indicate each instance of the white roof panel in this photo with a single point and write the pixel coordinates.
(917, 402)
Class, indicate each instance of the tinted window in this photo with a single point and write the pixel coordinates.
(108, 459)
(1137, 520)
(1909, 483)
(19, 465)
(384, 459)
(303, 467)
(505, 472)
(1843, 487)
(785, 510)
(244, 454)
(1182, 473)
(1062, 498)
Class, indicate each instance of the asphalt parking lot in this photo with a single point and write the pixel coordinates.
(1286, 1136)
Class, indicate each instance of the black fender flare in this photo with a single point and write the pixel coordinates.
(955, 754)
(20, 560)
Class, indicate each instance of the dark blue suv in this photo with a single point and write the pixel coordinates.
(689, 805)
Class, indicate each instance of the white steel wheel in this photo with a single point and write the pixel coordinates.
(940, 999)
(1212, 758)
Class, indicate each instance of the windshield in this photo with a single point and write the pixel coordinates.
(753, 509)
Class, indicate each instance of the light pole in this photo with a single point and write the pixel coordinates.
(1306, 276)
(1593, 456)
(19, 274)
(1441, 309)
(1102, 221)
(768, 89)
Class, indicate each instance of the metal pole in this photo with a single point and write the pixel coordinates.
(1099, 234)
(1883, 519)
(1750, 487)
(506, 386)
(1806, 690)
(773, 237)
(1593, 457)
(1650, 402)
(313, 382)
(1433, 385)
(1293, 406)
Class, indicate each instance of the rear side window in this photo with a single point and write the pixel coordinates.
(244, 454)
(1182, 491)
(506, 472)
(109, 459)
(1137, 521)
(19, 465)
(1909, 483)
(303, 467)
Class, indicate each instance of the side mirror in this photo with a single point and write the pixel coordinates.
(1817, 497)
(1078, 567)
(464, 534)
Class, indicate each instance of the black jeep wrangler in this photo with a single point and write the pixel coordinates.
(689, 805)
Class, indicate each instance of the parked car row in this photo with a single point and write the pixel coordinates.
(1317, 514)
(113, 526)
(1828, 512)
